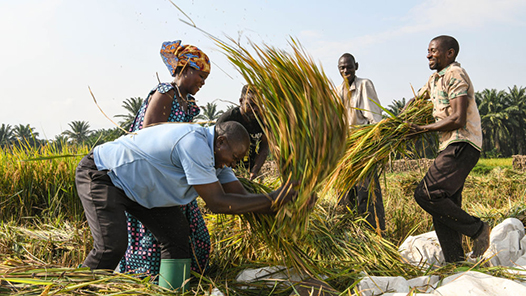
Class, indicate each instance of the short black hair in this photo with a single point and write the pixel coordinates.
(234, 131)
(447, 43)
(347, 55)
(247, 89)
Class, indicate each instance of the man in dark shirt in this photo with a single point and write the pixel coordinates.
(247, 114)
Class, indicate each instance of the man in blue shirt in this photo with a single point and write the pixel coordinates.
(153, 171)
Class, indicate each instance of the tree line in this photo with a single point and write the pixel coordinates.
(80, 133)
(503, 118)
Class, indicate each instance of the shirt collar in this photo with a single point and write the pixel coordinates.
(352, 86)
(210, 132)
(443, 71)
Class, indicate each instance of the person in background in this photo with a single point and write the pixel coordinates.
(247, 114)
(460, 138)
(170, 102)
(363, 107)
(154, 171)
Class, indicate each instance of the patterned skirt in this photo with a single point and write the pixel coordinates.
(144, 252)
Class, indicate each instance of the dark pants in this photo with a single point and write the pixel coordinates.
(104, 206)
(440, 194)
(363, 200)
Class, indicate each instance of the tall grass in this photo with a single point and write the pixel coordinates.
(39, 181)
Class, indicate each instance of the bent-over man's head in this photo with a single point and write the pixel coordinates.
(231, 143)
(442, 51)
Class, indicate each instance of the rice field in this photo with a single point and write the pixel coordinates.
(496, 162)
(43, 236)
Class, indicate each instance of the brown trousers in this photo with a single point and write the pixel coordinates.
(440, 194)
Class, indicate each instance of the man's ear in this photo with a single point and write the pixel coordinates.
(451, 54)
(220, 141)
(356, 66)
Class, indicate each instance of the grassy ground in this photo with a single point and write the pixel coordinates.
(43, 236)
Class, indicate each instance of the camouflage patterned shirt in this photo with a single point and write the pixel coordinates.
(444, 86)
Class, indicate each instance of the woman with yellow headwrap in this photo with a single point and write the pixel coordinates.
(170, 102)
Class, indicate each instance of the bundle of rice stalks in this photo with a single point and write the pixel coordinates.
(369, 147)
(303, 119)
(26, 279)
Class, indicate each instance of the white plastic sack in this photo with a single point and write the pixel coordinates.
(473, 283)
(383, 285)
(271, 274)
(507, 244)
(423, 249)
(377, 285)
(507, 247)
(216, 292)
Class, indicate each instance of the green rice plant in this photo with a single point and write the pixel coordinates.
(39, 181)
(486, 165)
(497, 162)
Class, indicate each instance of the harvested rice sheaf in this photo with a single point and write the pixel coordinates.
(369, 147)
(303, 118)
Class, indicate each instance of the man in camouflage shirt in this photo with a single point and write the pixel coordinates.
(457, 122)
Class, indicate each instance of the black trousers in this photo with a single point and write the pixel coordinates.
(365, 203)
(104, 206)
(440, 194)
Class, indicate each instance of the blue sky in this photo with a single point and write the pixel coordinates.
(52, 50)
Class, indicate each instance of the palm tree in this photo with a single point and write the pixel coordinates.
(494, 119)
(102, 136)
(6, 135)
(397, 106)
(24, 132)
(209, 113)
(79, 132)
(132, 105)
(517, 110)
(60, 141)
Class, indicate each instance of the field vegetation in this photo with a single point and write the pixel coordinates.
(44, 237)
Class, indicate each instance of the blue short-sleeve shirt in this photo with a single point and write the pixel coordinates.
(157, 166)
